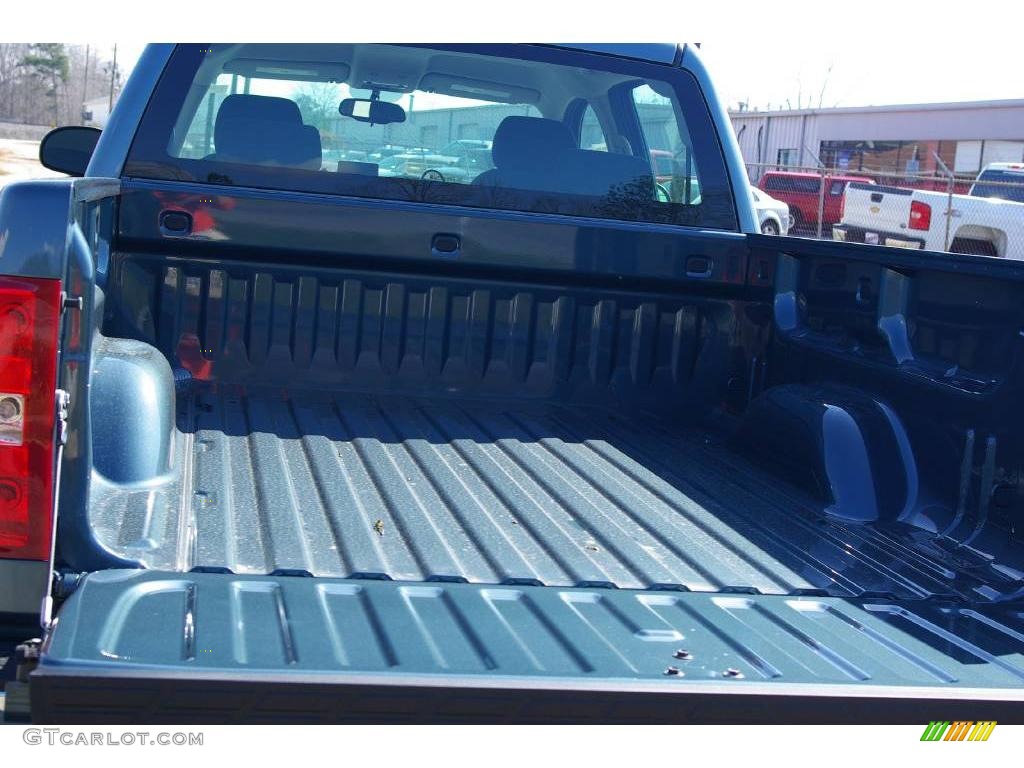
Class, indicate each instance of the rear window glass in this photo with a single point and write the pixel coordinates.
(1002, 185)
(666, 138)
(792, 184)
(591, 133)
(479, 126)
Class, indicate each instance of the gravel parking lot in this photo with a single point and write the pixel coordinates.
(20, 160)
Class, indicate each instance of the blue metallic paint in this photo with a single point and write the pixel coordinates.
(131, 390)
(656, 53)
(748, 221)
(39, 250)
(218, 627)
(846, 448)
(112, 150)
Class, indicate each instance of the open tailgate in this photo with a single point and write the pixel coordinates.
(148, 646)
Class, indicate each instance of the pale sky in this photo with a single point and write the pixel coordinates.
(912, 68)
(881, 51)
(900, 69)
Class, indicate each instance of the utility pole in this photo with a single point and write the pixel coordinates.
(85, 86)
(113, 79)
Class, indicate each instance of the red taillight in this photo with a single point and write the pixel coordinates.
(920, 215)
(29, 317)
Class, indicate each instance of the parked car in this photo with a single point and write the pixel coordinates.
(415, 163)
(663, 166)
(280, 442)
(1000, 181)
(331, 157)
(988, 221)
(773, 215)
(460, 147)
(389, 166)
(404, 164)
(802, 192)
(387, 150)
(460, 161)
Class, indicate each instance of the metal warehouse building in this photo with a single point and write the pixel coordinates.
(901, 139)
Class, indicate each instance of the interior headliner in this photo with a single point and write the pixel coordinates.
(404, 68)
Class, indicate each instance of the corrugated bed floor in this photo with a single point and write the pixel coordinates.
(351, 485)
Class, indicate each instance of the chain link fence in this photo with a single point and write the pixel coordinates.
(950, 212)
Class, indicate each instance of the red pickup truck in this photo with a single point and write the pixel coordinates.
(802, 190)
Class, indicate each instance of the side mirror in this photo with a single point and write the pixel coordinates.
(372, 111)
(69, 149)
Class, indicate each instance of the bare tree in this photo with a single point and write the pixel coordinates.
(824, 84)
(805, 100)
(318, 103)
(10, 55)
(35, 87)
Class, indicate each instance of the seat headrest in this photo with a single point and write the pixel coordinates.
(310, 152)
(264, 129)
(239, 110)
(590, 172)
(534, 140)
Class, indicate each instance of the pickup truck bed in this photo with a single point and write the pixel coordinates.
(387, 424)
(492, 492)
(506, 438)
(587, 481)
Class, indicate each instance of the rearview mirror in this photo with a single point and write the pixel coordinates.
(372, 111)
(69, 149)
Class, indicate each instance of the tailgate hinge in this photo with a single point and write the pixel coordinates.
(70, 302)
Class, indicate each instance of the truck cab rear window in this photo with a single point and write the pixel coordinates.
(792, 184)
(1001, 185)
(480, 126)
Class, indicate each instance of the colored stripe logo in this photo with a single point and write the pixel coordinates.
(959, 730)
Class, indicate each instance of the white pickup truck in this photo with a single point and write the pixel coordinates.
(988, 221)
